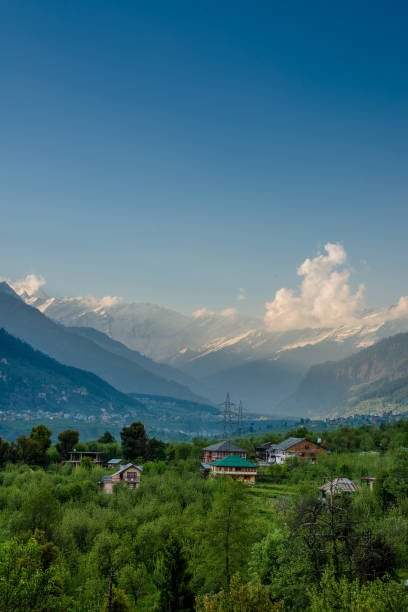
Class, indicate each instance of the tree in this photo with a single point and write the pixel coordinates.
(266, 556)
(134, 441)
(350, 596)
(156, 450)
(117, 601)
(24, 582)
(107, 438)
(67, 441)
(374, 557)
(39, 510)
(87, 463)
(41, 436)
(229, 534)
(173, 579)
(5, 454)
(245, 597)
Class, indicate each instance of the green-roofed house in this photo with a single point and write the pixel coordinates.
(234, 467)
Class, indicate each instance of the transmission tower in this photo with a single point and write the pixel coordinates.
(240, 417)
(228, 415)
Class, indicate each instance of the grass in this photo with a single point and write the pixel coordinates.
(267, 494)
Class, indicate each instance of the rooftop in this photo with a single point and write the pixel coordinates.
(289, 442)
(225, 445)
(125, 467)
(233, 461)
(340, 484)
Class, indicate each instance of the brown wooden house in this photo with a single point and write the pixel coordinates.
(278, 452)
(236, 468)
(222, 449)
(129, 474)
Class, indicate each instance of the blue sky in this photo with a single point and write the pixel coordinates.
(174, 152)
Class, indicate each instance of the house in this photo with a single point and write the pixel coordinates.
(76, 456)
(129, 474)
(114, 463)
(278, 452)
(222, 449)
(368, 481)
(235, 467)
(338, 485)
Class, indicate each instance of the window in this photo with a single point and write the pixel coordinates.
(131, 475)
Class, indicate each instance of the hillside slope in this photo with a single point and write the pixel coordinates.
(30, 381)
(377, 374)
(61, 343)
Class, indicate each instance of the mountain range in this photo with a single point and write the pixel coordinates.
(118, 365)
(211, 353)
(36, 388)
(373, 380)
(141, 348)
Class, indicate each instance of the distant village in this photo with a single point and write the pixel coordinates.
(225, 459)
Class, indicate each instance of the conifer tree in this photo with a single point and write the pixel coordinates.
(173, 579)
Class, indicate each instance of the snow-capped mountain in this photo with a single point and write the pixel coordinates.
(262, 358)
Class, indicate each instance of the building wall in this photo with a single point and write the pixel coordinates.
(210, 456)
(307, 449)
(107, 485)
(243, 474)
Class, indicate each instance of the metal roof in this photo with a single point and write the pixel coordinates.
(289, 442)
(125, 467)
(340, 484)
(225, 445)
(233, 461)
(114, 461)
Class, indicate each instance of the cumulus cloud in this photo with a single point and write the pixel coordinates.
(324, 299)
(241, 294)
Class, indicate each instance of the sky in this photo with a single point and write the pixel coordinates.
(195, 154)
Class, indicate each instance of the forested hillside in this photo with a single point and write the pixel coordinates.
(371, 380)
(30, 380)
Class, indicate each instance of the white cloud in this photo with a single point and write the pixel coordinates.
(241, 294)
(30, 285)
(325, 298)
(108, 301)
(202, 313)
(228, 312)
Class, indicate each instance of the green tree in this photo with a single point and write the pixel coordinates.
(229, 533)
(87, 463)
(40, 510)
(134, 441)
(350, 596)
(67, 441)
(156, 450)
(173, 579)
(245, 597)
(266, 556)
(24, 583)
(107, 438)
(41, 436)
(5, 454)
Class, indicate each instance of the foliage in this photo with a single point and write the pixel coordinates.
(179, 536)
(25, 584)
(350, 596)
(67, 441)
(173, 579)
(245, 597)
